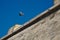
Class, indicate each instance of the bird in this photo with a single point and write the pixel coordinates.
(21, 13)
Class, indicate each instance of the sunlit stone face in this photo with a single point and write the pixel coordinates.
(16, 27)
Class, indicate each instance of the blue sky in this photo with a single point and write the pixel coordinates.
(9, 12)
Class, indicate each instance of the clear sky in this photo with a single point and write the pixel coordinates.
(9, 12)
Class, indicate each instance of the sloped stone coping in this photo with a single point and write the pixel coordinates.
(35, 20)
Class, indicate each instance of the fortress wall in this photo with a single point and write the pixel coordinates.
(46, 29)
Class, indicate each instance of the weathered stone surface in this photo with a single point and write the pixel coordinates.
(56, 1)
(14, 28)
(46, 29)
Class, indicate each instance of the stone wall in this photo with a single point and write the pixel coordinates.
(56, 1)
(46, 29)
